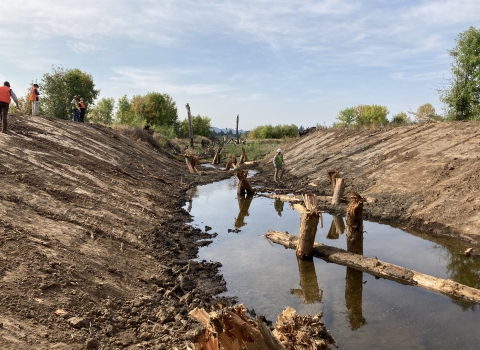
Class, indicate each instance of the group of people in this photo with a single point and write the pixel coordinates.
(78, 107)
(7, 95)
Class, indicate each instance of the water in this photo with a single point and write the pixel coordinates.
(360, 311)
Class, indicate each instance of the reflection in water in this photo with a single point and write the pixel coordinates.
(278, 205)
(353, 298)
(337, 228)
(309, 290)
(243, 207)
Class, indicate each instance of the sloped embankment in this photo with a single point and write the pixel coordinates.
(93, 246)
(425, 175)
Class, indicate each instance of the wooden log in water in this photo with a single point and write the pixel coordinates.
(338, 192)
(380, 268)
(242, 178)
(355, 224)
(308, 225)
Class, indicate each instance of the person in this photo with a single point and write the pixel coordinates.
(278, 164)
(34, 98)
(81, 104)
(6, 96)
(75, 108)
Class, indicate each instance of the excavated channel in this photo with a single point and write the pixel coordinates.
(360, 311)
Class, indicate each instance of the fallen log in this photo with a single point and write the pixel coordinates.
(242, 178)
(379, 268)
(285, 198)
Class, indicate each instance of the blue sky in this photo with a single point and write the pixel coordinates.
(271, 61)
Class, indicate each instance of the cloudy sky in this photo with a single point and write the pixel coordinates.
(271, 61)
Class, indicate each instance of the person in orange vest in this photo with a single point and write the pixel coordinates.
(34, 98)
(81, 104)
(6, 96)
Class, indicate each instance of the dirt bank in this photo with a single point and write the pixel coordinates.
(93, 243)
(426, 176)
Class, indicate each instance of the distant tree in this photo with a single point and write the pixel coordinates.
(102, 112)
(125, 113)
(372, 114)
(201, 126)
(346, 117)
(159, 109)
(59, 87)
(426, 113)
(273, 132)
(400, 119)
(461, 96)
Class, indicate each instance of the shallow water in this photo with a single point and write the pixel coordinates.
(360, 311)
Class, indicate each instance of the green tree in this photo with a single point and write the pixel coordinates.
(103, 111)
(125, 113)
(273, 132)
(373, 114)
(159, 110)
(60, 86)
(400, 119)
(345, 117)
(462, 93)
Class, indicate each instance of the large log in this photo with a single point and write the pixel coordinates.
(338, 192)
(242, 178)
(308, 225)
(380, 268)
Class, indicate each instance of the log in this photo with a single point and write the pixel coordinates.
(242, 178)
(338, 192)
(285, 198)
(355, 224)
(333, 175)
(240, 189)
(381, 269)
(308, 225)
(189, 165)
(216, 159)
(190, 129)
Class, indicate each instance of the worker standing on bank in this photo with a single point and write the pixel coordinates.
(34, 98)
(75, 108)
(278, 164)
(6, 96)
(82, 106)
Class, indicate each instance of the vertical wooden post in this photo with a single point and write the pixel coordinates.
(242, 177)
(338, 191)
(238, 117)
(355, 224)
(190, 128)
(308, 225)
(333, 175)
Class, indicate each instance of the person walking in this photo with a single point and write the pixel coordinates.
(82, 106)
(75, 108)
(34, 98)
(278, 164)
(6, 96)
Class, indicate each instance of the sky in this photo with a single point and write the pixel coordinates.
(270, 61)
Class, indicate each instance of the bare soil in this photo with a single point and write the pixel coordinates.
(94, 247)
(426, 176)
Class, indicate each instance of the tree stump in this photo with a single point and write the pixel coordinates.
(308, 225)
(242, 179)
(338, 191)
(355, 224)
(333, 175)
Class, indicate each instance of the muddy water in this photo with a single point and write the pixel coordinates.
(360, 311)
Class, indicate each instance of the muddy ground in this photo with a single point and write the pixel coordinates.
(94, 248)
(426, 177)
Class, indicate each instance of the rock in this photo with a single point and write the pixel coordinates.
(138, 302)
(163, 317)
(207, 228)
(77, 322)
(92, 344)
(186, 283)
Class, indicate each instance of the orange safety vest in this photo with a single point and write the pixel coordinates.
(33, 95)
(81, 104)
(5, 94)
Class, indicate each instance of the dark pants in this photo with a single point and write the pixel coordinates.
(3, 115)
(82, 115)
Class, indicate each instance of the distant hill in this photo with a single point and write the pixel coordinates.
(217, 130)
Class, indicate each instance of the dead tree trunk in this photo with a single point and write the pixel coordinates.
(355, 224)
(333, 175)
(381, 269)
(242, 178)
(238, 117)
(338, 192)
(190, 128)
(243, 157)
(216, 158)
(240, 189)
(308, 225)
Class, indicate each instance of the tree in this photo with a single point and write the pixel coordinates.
(60, 86)
(462, 93)
(372, 114)
(125, 113)
(400, 119)
(345, 117)
(103, 111)
(426, 113)
(159, 109)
